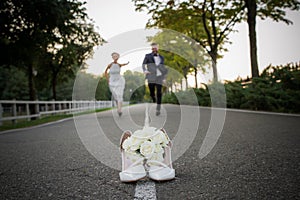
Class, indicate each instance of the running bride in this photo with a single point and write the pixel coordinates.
(116, 82)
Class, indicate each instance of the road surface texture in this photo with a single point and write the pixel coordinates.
(257, 156)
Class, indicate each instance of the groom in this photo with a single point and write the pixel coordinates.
(155, 71)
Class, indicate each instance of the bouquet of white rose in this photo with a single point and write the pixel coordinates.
(146, 152)
(148, 143)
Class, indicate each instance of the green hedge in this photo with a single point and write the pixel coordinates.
(277, 89)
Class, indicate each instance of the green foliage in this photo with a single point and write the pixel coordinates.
(277, 90)
(13, 84)
(276, 10)
(208, 22)
(102, 91)
(217, 94)
(203, 96)
(85, 86)
(48, 39)
(182, 54)
(192, 96)
(64, 90)
(235, 94)
(134, 86)
(260, 96)
(186, 97)
(170, 98)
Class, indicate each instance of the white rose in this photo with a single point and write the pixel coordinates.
(158, 149)
(160, 138)
(131, 144)
(139, 133)
(148, 131)
(147, 149)
(158, 157)
(135, 143)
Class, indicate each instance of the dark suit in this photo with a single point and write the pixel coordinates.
(155, 80)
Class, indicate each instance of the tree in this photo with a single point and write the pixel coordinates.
(180, 54)
(46, 36)
(180, 65)
(208, 22)
(274, 9)
(174, 19)
(178, 69)
(72, 45)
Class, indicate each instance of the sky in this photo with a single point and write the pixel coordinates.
(277, 43)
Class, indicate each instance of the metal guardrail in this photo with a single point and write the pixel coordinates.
(13, 110)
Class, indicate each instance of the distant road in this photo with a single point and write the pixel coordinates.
(256, 157)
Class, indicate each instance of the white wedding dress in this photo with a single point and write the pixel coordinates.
(116, 82)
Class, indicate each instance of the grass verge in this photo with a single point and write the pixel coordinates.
(43, 120)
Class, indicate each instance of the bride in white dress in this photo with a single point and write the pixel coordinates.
(115, 80)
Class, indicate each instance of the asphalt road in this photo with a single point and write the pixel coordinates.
(257, 156)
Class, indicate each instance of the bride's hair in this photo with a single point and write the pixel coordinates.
(115, 53)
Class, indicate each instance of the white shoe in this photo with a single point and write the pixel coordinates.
(162, 171)
(130, 171)
(134, 172)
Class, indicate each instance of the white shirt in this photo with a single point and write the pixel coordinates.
(157, 63)
(157, 60)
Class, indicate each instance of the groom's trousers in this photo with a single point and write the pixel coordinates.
(158, 87)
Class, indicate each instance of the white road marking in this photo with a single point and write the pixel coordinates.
(145, 190)
(147, 119)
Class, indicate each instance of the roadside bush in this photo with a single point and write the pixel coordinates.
(170, 98)
(277, 90)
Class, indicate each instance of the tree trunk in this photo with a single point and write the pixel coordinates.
(32, 92)
(54, 87)
(195, 75)
(186, 83)
(251, 20)
(214, 66)
(181, 85)
(54, 82)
